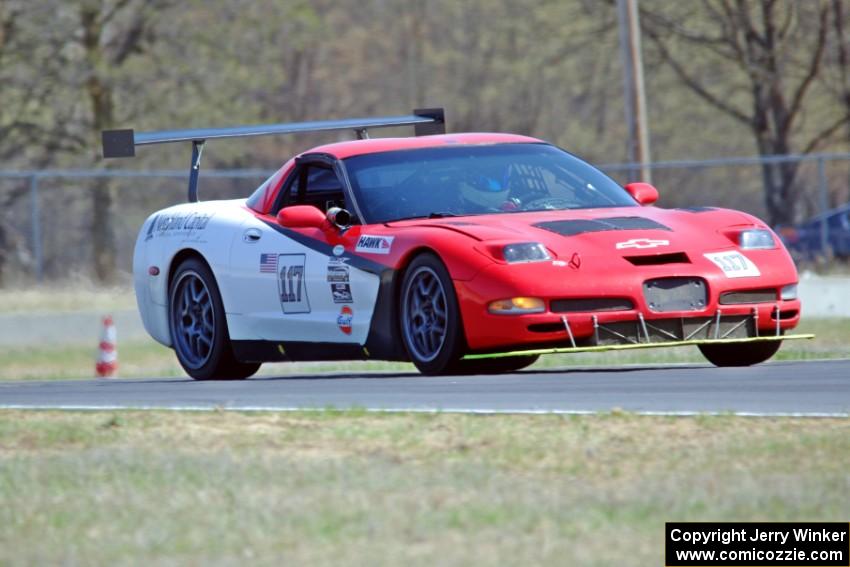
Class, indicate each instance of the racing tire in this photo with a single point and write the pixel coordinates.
(429, 318)
(198, 326)
(745, 354)
(494, 365)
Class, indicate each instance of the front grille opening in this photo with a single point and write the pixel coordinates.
(675, 294)
(675, 329)
(783, 315)
(749, 296)
(659, 259)
(590, 304)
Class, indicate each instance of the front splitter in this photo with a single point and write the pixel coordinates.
(633, 346)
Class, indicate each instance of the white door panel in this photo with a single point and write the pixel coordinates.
(282, 290)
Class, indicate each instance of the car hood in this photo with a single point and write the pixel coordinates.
(627, 231)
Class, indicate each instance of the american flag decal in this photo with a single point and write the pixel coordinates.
(268, 263)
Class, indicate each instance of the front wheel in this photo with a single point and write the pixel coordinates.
(745, 354)
(429, 316)
(198, 326)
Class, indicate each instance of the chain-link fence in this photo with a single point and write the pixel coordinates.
(46, 224)
(821, 181)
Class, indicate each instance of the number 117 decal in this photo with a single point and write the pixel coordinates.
(290, 283)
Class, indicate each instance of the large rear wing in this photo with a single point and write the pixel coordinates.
(122, 143)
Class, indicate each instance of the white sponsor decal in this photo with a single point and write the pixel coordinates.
(734, 264)
(374, 244)
(341, 293)
(642, 243)
(339, 250)
(338, 271)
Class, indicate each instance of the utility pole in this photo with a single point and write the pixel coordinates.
(634, 94)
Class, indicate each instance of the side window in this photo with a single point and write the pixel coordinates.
(289, 192)
(322, 189)
(315, 185)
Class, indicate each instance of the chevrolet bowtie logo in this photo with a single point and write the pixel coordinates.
(642, 243)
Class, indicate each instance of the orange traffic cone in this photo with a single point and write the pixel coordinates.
(107, 354)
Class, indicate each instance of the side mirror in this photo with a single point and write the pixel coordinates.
(338, 217)
(301, 216)
(643, 193)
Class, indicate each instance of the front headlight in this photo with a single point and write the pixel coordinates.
(517, 306)
(525, 252)
(788, 292)
(756, 239)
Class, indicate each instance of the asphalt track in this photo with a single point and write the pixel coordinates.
(815, 388)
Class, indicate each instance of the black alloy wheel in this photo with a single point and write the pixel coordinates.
(429, 316)
(198, 325)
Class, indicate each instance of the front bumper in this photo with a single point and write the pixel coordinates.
(639, 323)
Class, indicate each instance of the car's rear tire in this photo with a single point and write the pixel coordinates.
(494, 365)
(198, 325)
(742, 354)
(429, 317)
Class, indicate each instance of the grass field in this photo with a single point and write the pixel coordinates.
(357, 488)
(147, 358)
(363, 489)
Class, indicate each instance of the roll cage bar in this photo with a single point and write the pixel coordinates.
(122, 143)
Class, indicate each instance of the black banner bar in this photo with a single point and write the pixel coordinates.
(745, 544)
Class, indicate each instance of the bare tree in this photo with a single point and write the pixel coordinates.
(110, 32)
(837, 76)
(755, 61)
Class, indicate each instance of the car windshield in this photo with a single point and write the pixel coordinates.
(472, 180)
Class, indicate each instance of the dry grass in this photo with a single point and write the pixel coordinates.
(73, 296)
(364, 489)
(55, 362)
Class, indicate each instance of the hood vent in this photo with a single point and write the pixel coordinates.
(696, 209)
(659, 259)
(580, 226)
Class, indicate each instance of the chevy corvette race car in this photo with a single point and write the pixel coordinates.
(460, 253)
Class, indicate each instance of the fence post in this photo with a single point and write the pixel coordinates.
(35, 214)
(823, 205)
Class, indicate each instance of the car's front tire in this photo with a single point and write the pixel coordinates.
(429, 317)
(743, 354)
(198, 325)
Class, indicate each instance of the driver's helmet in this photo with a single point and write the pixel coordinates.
(484, 190)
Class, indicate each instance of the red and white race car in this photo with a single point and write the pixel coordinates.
(458, 252)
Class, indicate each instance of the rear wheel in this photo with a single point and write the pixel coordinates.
(429, 316)
(198, 326)
(745, 354)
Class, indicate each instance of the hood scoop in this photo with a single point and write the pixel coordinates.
(659, 259)
(580, 226)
